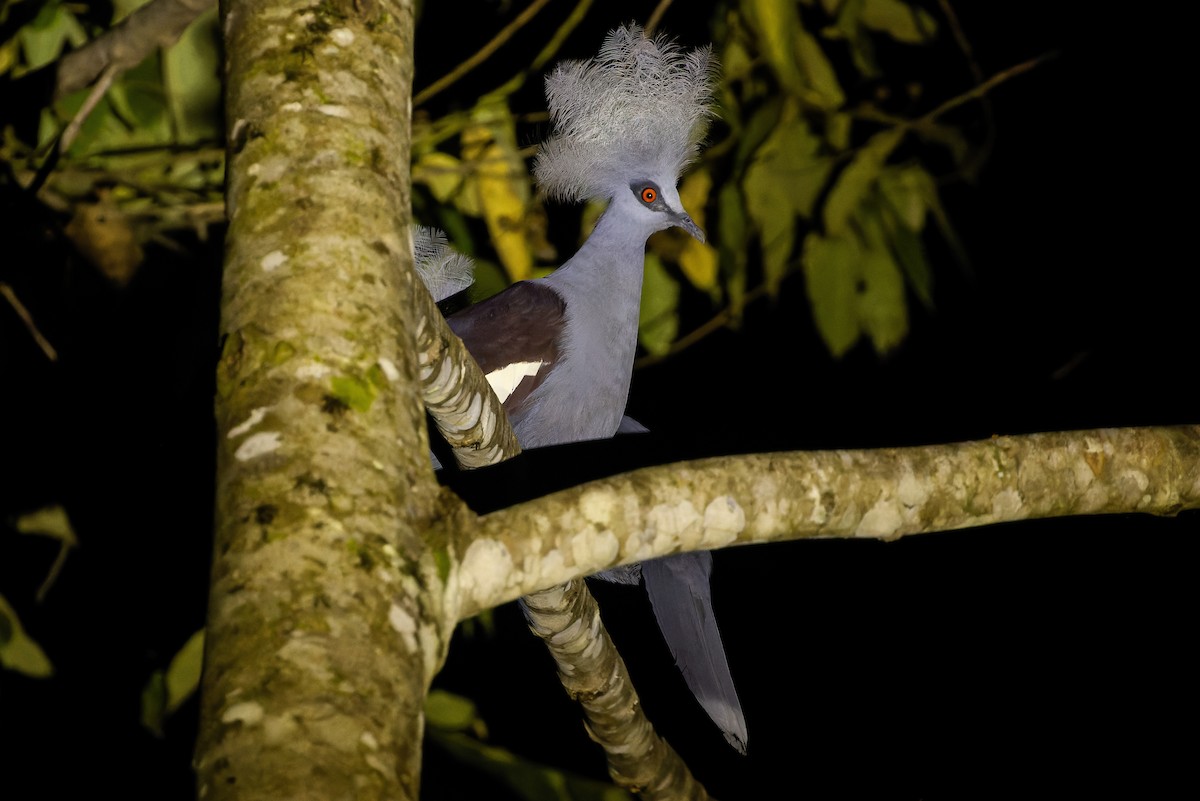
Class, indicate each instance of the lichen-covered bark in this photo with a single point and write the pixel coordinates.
(882, 494)
(327, 617)
(592, 672)
(460, 400)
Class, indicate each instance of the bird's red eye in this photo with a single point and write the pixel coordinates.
(649, 195)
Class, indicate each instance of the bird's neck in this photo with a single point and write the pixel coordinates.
(607, 269)
(602, 287)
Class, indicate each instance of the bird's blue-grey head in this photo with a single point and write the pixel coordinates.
(627, 123)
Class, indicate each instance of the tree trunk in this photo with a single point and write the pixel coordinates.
(325, 625)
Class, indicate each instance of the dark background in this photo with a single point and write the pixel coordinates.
(1048, 657)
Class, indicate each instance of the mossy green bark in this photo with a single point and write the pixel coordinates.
(327, 617)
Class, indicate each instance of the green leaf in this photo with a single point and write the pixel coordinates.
(922, 183)
(448, 711)
(154, 703)
(781, 184)
(18, 651)
(818, 70)
(658, 321)
(906, 190)
(166, 691)
(880, 298)
(855, 288)
(43, 39)
(734, 240)
(183, 674)
(831, 269)
(441, 172)
(50, 521)
(901, 21)
(529, 780)
(837, 131)
(848, 26)
(857, 179)
(756, 131)
(776, 22)
(791, 169)
(191, 76)
(909, 251)
(501, 182)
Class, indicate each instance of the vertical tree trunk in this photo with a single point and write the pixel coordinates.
(325, 625)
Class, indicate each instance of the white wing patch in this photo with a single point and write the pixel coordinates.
(505, 380)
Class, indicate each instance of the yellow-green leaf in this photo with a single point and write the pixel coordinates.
(906, 190)
(734, 240)
(831, 270)
(901, 21)
(697, 259)
(183, 674)
(44, 38)
(781, 183)
(787, 171)
(154, 703)
(50, 521)
(880, 301)
(18, 651)
(776, 22)
(910, 254)
(502, 185)
(527, 780)
(818, 70)
(442, 173)
(837, 131)
(658, 322)
(857, 179)
(192, 77)
(762, 123)
(449, 711)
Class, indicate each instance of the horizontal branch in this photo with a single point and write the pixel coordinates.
(881, 494)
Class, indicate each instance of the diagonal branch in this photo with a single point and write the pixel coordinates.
(881, 494)
(567, 619)
(157, 24)
(482, 54)
(464, 408)
(27, 319)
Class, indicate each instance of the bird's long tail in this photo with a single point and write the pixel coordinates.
(681, 596)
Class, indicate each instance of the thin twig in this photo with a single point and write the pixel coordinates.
(960, 38)
(89, 104)
(656, 16)
(569, 24)
(982, 89)
(481, 55)
(720, 319)
(27, 318)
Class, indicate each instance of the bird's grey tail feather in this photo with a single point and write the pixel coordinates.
(681, 596)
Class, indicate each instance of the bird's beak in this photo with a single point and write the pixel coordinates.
(685, 222)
